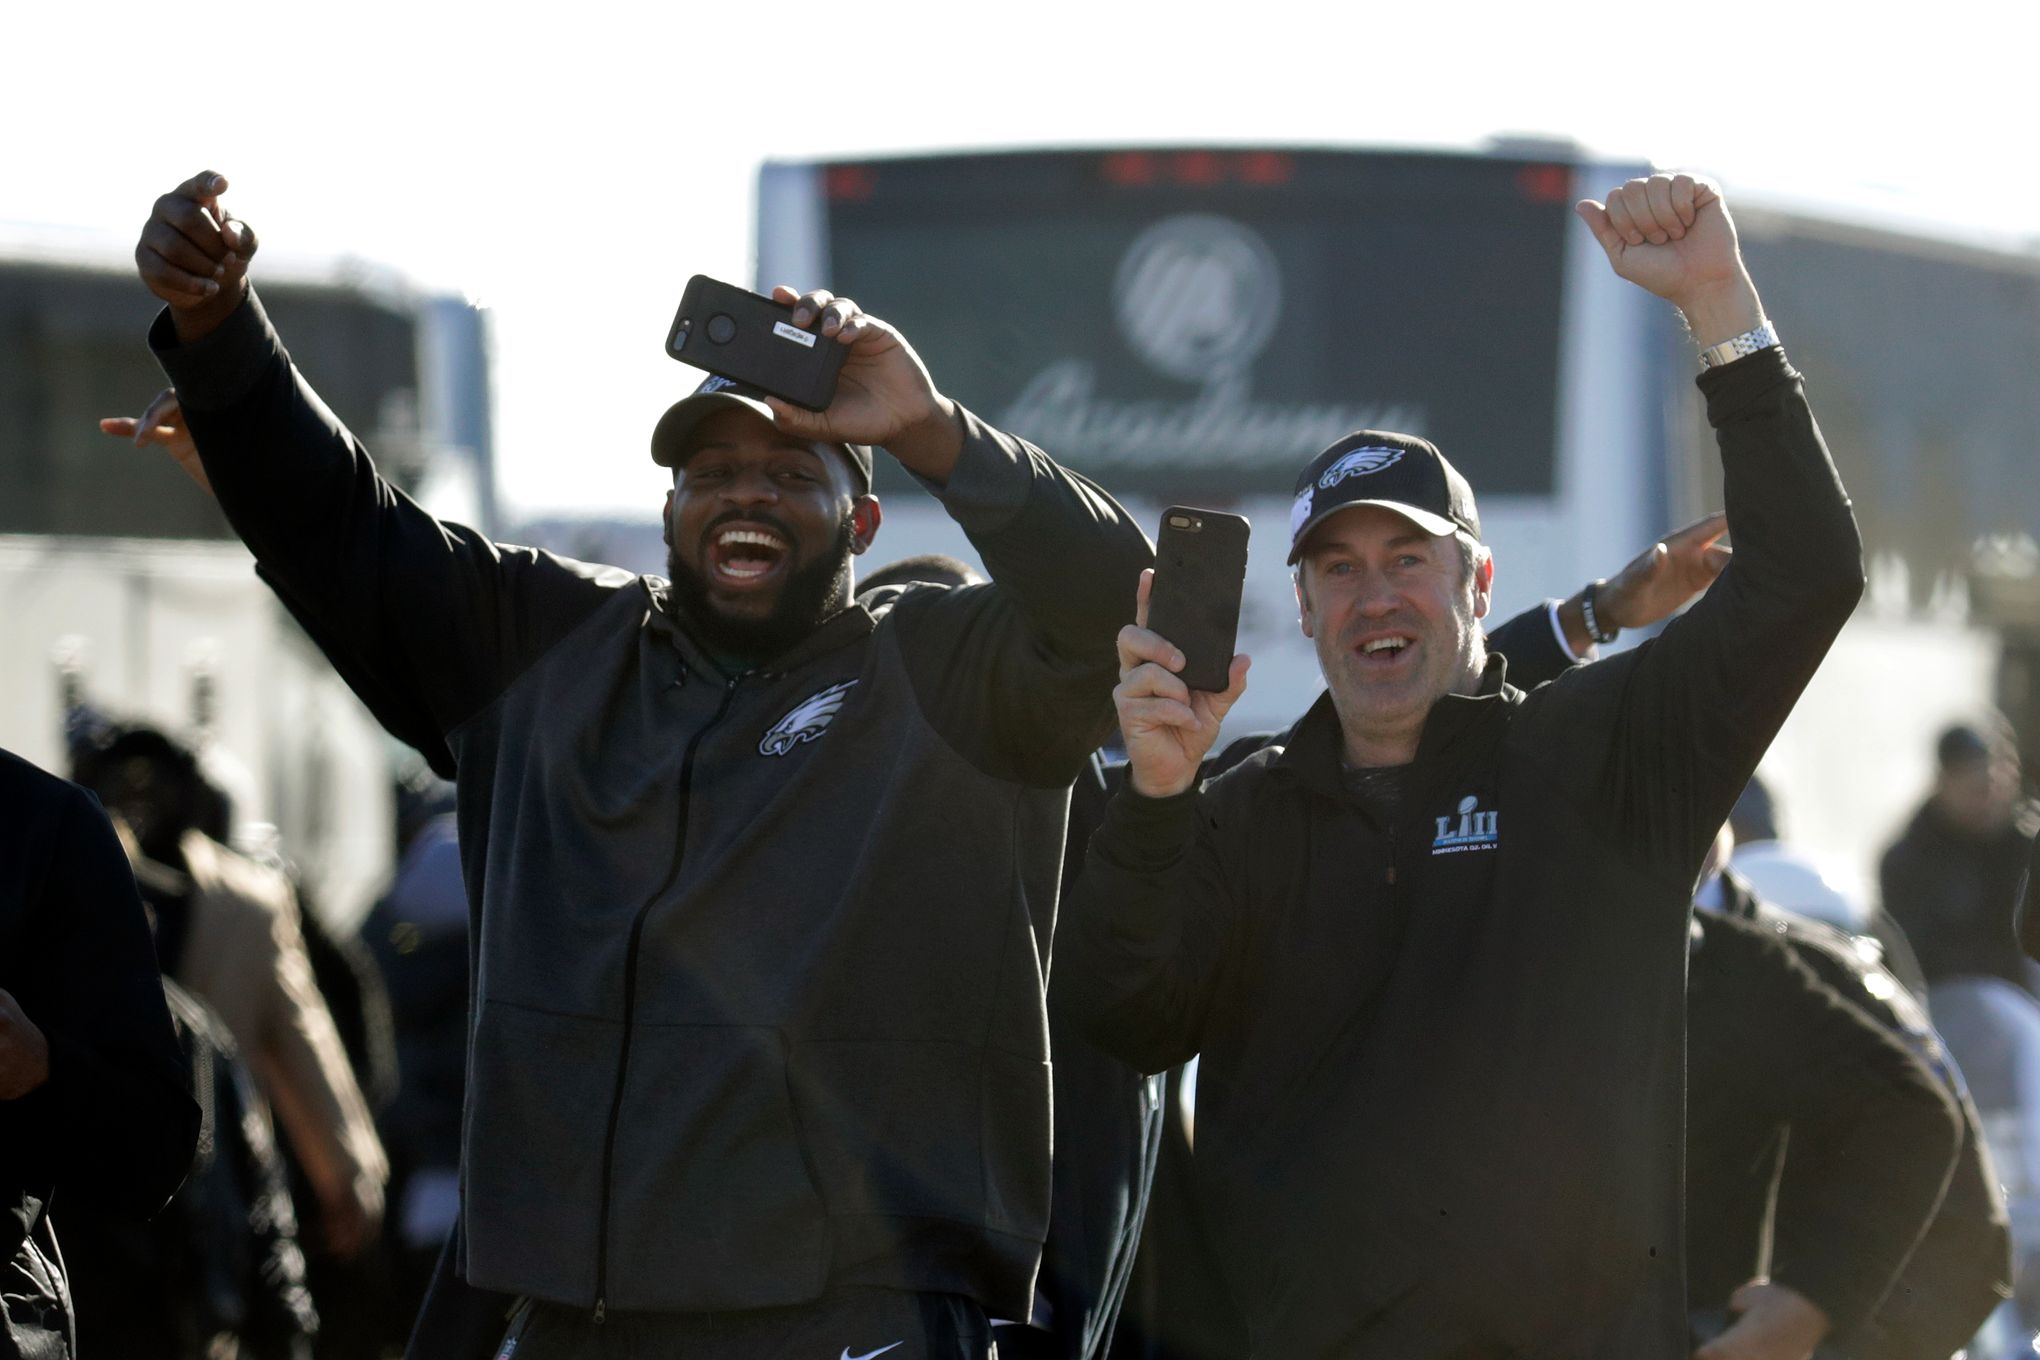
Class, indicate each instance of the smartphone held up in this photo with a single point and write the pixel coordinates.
(1200, 572)
(751, 339)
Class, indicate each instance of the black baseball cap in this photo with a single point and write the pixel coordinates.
(1398, 472)
(717, 393)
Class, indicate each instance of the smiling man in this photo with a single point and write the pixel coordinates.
(1432, 953)
(761, 876)
(761, 524)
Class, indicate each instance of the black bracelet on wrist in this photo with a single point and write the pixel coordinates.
(1592, 622)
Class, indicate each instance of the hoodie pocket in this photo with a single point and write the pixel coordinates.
(711, 1206)
(537, 1103)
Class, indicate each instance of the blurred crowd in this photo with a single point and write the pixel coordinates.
(327, 1067)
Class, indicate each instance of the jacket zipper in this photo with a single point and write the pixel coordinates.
(630, 963)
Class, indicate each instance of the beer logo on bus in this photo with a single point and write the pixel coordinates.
(1198, 296)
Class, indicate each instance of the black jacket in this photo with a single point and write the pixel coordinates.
(1440, 1103)
(1961, 1268)
(1779, 1067)
(759, 958)
(114, 1125)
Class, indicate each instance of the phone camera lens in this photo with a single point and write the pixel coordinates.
(722, 328)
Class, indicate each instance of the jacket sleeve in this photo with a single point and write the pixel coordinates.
(1530, 642)
(1874, 1137)
(436, 619)
(1149, 927)
(303, 1066)
(115, 1122)
(1017, 675)
(1663, 738)
(1961, 1270)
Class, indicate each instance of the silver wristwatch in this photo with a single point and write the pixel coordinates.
(1749, 342)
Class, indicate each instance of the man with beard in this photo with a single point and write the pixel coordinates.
(758, 1056)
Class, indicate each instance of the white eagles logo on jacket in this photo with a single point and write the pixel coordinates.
(1359, 463)
(807, 720)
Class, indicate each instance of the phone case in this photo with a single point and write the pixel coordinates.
(1200, 571)
(749, 338)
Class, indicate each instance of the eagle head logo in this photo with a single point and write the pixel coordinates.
(805, 721)
(1359, 463)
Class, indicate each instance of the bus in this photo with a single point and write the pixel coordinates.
(1188, 325)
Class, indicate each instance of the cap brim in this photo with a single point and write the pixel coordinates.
(1434, 524)
(669, 436)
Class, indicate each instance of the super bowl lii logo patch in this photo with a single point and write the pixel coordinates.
(1471, 829)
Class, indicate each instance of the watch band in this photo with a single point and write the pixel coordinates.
(1587, 615)
(1749, 342)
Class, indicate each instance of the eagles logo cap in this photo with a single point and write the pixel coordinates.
(1398, 472)
(717, 393)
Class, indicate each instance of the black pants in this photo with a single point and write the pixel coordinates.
(849, 1324)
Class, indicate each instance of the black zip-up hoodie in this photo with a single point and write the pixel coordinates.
(1440, 1103)
(759, 959)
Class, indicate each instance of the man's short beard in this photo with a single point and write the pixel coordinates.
(810, 596)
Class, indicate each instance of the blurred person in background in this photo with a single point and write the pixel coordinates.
(1818, 1152)
(228, 929)
(1962, 1268)
(353, 1289)
(94, 1107)
(418, 934)
(1951, 879)
(219, 1272)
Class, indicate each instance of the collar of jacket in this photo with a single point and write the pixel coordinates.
(1314, 755)
(840, 629)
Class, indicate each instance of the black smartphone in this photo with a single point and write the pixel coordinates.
(749, 338)
(1200, 571)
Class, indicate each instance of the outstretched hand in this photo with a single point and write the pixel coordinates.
(193, 254)
(1665, 575)
(162, 423)
(1671, 235)
(883, 393)
(1168, 727)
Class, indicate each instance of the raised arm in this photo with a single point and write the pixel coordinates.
(1668, 734)
(439, 615)
(1015, 672)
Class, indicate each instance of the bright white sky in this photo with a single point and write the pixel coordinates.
(573, 165)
